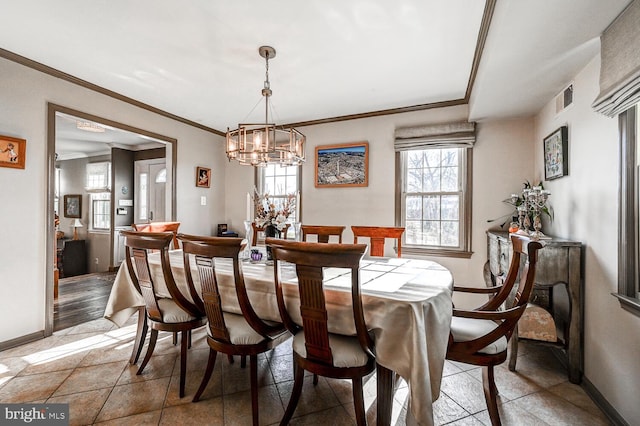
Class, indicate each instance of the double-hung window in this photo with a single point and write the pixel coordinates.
(279, 181)
(433, 197)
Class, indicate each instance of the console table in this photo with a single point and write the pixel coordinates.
(557, 289)
(74, 258)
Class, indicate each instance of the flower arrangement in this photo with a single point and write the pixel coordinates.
(273, 212)
(532, 200)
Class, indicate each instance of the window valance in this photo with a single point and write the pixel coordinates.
(620, 63)
(459, 134)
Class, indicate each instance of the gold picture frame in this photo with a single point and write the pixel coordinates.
(342, 165)
(12, 152)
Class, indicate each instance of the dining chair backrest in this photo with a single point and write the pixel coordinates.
(257, 230)
(159, 227)
(377, 236)
(138, 246)
(322, 232)
(204, 251)
(310, 259)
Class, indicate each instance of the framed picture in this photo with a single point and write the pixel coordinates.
(12, 152)
(203, 177)
(342, 165)
(556, 154)
(73, 206)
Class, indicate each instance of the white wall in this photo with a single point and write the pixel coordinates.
(586, 209)
(24, 94)
(502, 161)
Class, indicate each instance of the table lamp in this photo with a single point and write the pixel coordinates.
(76, 224)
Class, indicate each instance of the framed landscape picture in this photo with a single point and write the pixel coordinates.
(12, 152)
(342, 165)
(556, 154)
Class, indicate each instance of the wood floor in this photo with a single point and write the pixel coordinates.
(81, 299)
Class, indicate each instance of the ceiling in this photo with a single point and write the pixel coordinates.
(199, 60)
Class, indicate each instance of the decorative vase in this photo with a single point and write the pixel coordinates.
(271, 231)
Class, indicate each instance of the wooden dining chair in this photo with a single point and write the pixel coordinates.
(159, 227)
(377, 236)
(229, 333)
(480, 336)
(322, 232)
(173, 314)
(259, 230)
(315, 349)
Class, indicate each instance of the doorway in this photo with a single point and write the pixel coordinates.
(97, 224)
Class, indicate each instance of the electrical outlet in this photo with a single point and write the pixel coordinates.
(96, 261)
(203, 200)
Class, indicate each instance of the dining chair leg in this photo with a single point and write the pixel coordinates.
(513, 356)
(315, 379)
(358, 401)
(253, 367)
(243, 361)
(184, 343)
(230, 358)
(141, 335)
(207, 375)
(152, 345)
(189, 334)
(491, 395)
(175, 338)
(295, 396)
(385, 380)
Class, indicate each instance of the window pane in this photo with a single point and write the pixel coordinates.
(432, 158)
(142, 198)
(413, 232)
(431, 207)
(450, 234)
(431, 179)
(450, 207)
(415, 159)
(450, 158)
(414, 180)
(414, 208)
(431, 233)
(450, 181)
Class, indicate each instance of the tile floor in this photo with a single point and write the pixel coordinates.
(87, 367)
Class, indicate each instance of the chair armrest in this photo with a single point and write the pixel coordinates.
(490, 315)
(479, 290)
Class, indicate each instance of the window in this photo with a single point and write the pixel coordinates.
(98, 176)
(629, 229)
(434, 201)
(278, 181)
(433, 187)
(101, 211)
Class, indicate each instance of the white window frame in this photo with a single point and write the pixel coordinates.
(100, 198)
(463, 250)
(280, 193)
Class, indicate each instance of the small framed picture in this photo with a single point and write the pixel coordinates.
(12, 152)
(203, 177)
(342, 165)
(556, 154)
(73, 206)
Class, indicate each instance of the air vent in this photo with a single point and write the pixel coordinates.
(564, 99)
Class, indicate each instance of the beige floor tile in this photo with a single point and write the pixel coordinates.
(555, 411)
(577, 396)
(192, 383)
(313, 398)
(236, 379)
(446, 410)
(32, 388)
(206, 412)
(93, 377)
(56, 362)
(238, 411)
(10, 368)
(84, 406)
(511, 384)
(466, 421)
(336, 416)
(157, 367)
(151, 418)
(135, 398)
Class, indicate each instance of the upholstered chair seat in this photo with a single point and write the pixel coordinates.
(346, 350)
(467, 329)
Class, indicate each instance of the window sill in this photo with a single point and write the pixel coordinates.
(436, 252)
(628, 303)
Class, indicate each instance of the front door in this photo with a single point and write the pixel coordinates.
(150, 181)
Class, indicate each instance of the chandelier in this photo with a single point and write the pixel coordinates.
(265, 143)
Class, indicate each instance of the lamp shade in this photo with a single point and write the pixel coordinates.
(77, 223)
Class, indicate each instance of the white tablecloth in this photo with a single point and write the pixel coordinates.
(407, 304)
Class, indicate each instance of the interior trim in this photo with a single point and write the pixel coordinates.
(487, 16)
(83, 83)
(52, 109)
(22, 340)
(612, 415)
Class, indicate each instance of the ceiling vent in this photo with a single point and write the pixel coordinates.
(564, 99)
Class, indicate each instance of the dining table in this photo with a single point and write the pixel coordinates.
(407, 306)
